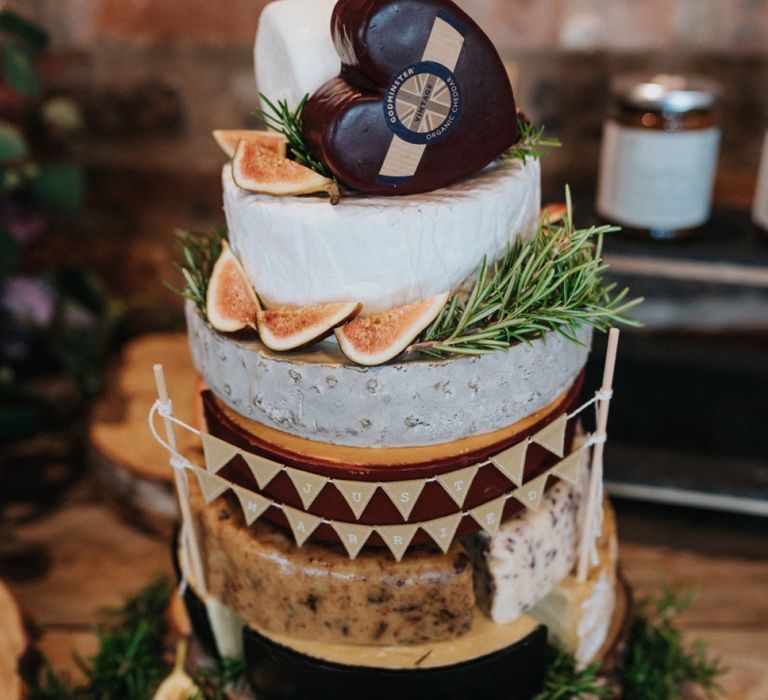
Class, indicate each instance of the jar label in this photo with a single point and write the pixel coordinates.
(760, 206)
(657, 179)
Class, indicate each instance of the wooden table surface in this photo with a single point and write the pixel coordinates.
(91, 558)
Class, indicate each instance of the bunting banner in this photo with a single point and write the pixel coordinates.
(552, 436)
(530, 493)
(302, 524)
(263, 470)
(254, 505)
(403, 494)
(211, 485)
(357, 494)
(488, 516)
(217, 453)
(397, 537)
(352, 536)
(458, 483)
(442, 530)
(307, 484)
(511, 462)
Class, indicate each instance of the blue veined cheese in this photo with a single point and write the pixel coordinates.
(380, 251)
(578, 615)
(529, 555)
(294, 52)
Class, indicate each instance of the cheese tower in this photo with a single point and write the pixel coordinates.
(395, 477)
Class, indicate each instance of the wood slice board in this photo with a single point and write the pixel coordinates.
(13, 644)
(131, 467)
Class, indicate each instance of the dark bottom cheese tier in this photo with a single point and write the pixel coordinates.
(316, 592)
(493, 662)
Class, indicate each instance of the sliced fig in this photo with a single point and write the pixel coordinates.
(230, 302)
(554, 214)
(256, 168)
(288, 329)
(229, 138)
(373, 340)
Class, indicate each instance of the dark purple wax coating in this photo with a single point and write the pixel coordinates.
(344, 121)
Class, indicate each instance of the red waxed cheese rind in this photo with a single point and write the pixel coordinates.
(344, 120)
(434, 502)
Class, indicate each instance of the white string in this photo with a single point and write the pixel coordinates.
(600, 395)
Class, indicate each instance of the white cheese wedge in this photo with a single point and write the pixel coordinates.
(578, 615)
(529, 555)
(380, 251)
(294, 53)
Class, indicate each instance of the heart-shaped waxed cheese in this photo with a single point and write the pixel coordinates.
(422, 101)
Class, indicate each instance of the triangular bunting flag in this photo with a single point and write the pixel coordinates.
(352, 536)
(397, 537)
(403, 494)
(217, 452)
(263, 469)
(458, 483)
(253, 504)
(552, 436)
(488, 515)
(357, 494)
(530, 494)
(511, 462)
(442, 530)
(211, 485)
(570, 467)
(302, 524)
(308, 485)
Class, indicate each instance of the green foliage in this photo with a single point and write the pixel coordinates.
(213, 680)
(129, 663)
(9, 253)
(553, 282)
(13, 145)
(30, 34)
(531, 143)
(20, 72)
(279, 117)
(58, 187)
(659, 665)
(199, 253)
(564, 681)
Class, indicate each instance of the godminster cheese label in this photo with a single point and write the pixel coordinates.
(423, 101)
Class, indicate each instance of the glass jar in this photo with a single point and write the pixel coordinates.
(760, 205)
(659, 155)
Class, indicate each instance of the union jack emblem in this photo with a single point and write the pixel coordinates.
(423, 103)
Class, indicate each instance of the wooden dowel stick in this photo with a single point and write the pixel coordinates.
(188, 529)
(596, 470)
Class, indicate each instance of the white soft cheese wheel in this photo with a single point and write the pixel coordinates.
(380, 251)
(294, 52)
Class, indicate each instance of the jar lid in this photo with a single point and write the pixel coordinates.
(668, 93)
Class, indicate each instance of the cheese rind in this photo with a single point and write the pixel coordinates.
(294, 52)
(316, 592)
(380, 251)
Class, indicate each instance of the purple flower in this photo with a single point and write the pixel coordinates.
(28, 300)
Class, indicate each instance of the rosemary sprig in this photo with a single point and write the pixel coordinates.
(564, 681)
(279, 117)
(532, 143)
(129, 663)
(199, 253)
(553, 282)
(658, 665)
